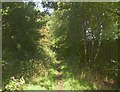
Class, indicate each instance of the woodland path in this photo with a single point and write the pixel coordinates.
(59, 76)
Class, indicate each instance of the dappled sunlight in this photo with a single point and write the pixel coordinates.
(73, 47)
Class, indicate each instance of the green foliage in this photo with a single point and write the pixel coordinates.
(82, 36)
(15, 84)
(82, 32)
(20, 35)
(40, 83)
(20, 30)
(73, 84)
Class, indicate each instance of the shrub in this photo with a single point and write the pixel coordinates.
(15, 84)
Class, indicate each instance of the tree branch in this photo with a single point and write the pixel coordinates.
(114, 12)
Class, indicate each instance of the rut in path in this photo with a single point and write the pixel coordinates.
(59, 82)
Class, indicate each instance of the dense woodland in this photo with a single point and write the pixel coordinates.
(77, 42)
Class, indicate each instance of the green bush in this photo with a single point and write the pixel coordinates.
(15, 84)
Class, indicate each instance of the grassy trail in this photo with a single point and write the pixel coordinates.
(58, 81)
(59, 76)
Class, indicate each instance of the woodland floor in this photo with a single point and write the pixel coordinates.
(62, 82)
(59, 75)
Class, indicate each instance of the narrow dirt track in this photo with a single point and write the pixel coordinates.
(59, 82)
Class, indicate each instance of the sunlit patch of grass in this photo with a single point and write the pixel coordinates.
(46, 81)
(73, 84)
(40, 83)
(33, 87)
